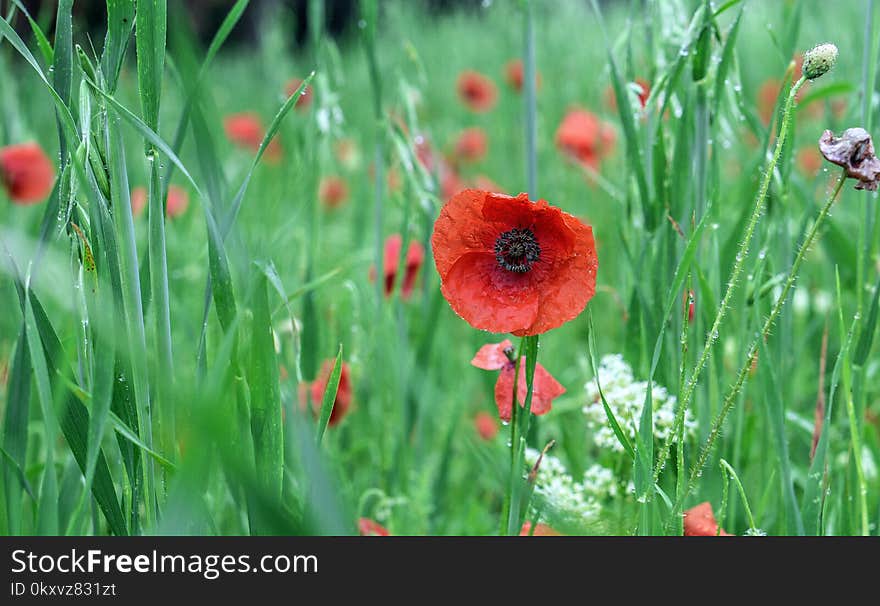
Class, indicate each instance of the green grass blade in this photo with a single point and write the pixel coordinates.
(42, 41)
(150, 35)
(15, 434)
(329, 397)
(120, 21)
(265, 395)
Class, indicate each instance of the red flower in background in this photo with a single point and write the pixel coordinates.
(343, 394)
(476, 91)
(348, 154)
(415, 256)
(371, 528)
(450, 182)
(510, 265)
(809, 161)
(26, 173)
(306, 99)
(584, 137)
(541, 530)
(332, 191)
(699, 521)
(497, 356)
(471, 145)
(175, 204)
(246, 130)
(486, 425)
(514, 75)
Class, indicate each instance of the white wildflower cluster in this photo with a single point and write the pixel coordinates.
(626, 398)
(755, 532)
(577, 500)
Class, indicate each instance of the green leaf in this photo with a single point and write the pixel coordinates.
(15, 434)
(150, 35)
(265, 395)
(329, 397)
(120, 21)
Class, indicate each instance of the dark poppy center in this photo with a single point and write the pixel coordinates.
(517, 250)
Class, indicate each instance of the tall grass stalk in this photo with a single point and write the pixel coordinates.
(739, 264)
(742, 375)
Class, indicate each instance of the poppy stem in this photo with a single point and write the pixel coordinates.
(730, 398)
(739, 264)
(530, 96)
(518, 495)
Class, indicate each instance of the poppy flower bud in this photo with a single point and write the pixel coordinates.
(819, 60)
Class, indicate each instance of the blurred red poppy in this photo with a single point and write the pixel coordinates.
(809, 161)
(415, 256)
(486, 425)
(514, 75)
(541, 530)
(584, 137)
(306, 99)
(476, 91)
(471, 145)
(26, 173)
(343, 394)
(510, 265)
(246, 130)
(450, 182)
(348, 154)
(176, 203)
(332, 191)
(371, 528)
(497, 356)
(699, 521)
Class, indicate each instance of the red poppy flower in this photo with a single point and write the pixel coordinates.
(509, 265)
(476, 91)
(584, 137)
(415, 256)
(541, 530)
(514, 75)
(246, 130)
(343, 394)
(26, 173)
(332, 191)
(306, 99)
(699, 521)
(175, 205)
(471, 145)
(486, 426)
(371, 528)
(496, 356)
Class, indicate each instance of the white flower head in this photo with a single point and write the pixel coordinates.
(626, 398)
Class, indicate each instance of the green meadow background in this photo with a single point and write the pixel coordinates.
(87, 356)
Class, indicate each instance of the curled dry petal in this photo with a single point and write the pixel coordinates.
(854, 151)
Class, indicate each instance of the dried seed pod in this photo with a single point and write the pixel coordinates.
(854, 151)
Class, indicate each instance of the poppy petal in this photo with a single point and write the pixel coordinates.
(492, 356)
(501, 303)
